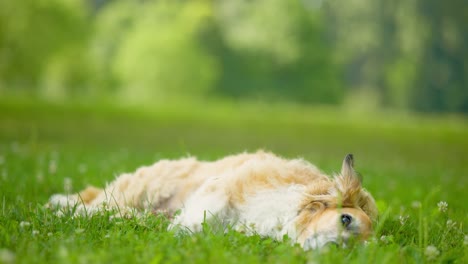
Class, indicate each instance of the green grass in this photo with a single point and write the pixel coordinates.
(409, 164)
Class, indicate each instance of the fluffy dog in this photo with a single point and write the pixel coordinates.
(257, 193)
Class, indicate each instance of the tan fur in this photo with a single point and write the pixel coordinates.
(89, 194)
(173, 181)
(168, 184)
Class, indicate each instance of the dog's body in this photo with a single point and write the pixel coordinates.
(254, 193)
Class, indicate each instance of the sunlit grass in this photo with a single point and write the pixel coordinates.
(415, 166)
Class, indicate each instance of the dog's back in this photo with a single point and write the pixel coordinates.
(167, 184)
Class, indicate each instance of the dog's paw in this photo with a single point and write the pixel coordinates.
(187, 222)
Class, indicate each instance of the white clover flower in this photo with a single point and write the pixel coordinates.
(35, 232)
(24, 224)
(431, 252)
(384, 239)
(465, 241)
(443, 206)
(39, 176)
(451, 224)
(403, 219)
(50, 234)
(52, 167)
(416, 204)
(60, 213)
(67, 185)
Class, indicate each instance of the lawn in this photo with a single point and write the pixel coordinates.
(415, 166)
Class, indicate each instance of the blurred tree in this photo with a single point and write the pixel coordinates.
(412, 52)
(152, 49)
(112, 23)
(275, 49)
(442, 81)
(31, 32)
(361, 33)
(405, 36)
(409, 54)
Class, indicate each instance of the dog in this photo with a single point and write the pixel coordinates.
(255, 193)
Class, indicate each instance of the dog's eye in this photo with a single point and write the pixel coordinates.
(346, 220)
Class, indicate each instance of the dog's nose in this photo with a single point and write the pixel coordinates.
(346, 220)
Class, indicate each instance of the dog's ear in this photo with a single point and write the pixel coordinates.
(348, 183)
(347, 168)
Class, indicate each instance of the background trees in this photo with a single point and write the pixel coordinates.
(404, 54)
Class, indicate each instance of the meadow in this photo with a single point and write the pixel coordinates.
(416, 167)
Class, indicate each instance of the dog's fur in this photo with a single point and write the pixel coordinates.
(254, 193)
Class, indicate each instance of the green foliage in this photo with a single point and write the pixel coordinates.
(442, 80)
(408, 55)
(160, 57)
(409, 165)
(269, 53)
(32, 32)
(414, 53)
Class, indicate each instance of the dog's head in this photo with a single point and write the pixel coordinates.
(338, 212)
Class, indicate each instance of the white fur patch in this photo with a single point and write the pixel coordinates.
(272, 212)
